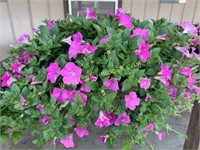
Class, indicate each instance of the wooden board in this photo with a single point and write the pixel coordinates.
(138, 9)
(56, 9)
(39, 11)
(6, 35)
(165, 11)
(127, 6)
(20, 15)
(177, 13)
(196, 18)
(152, 7)
(189, 10)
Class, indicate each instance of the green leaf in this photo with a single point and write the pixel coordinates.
(15, 88)
(4, 137)
(127, 145)
(92, 85)
(16, 136)
(126, 85)
(151, 71)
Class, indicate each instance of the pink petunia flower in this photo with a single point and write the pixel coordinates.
(104, 39)
(92, 77)
(19, 76)
(78, 37)
(187, 95)
(143, 51)
(189, 28)
(184, 50)
(186, 71)
(103, 138)
(71, 73)
(164, 37)
(132, 101)
(22, 101)
(53, 142)
(143, 32)
(150, 127)
(197, 90)
(24, 38)
(84, 88)
(148, 97)
(173, 92)
(191, 81)
(45, 119)
(118, 13)
(91, 14)
(122, 119)
(195, 41)
(166, 74)
(61, 95)
(102, 120)
(74, 49)
(125, 21)
(81, 132)
(80, 13)
(88, 49)
(161, 135)
(53, 71)
(72, 122)
(51, 24)
(35, 30)
(32, 80)
(112, 84)
(197, 56)
(111, 116)
(7, 80)
(145, 83)
(82, 95)
(68, 40)
(68, 142)
(40, 107)
(26, 57)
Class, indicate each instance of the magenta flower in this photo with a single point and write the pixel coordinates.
(145, 83)
(164, 37)
(118, 13)
(78, 37)
(80, 13)
(68, 40)
(184, 50)
(103, 138)
(74, 49)
(72, 122)
(173, 92)
(148, 97)
(92, 77)
(81, 132)
(112, 84)
(88, 49)
(143, 51)
(187, 95)
(53, 142)
(61, 95)
(24, 38)
(7, 80)
(40, 107)
(161, 135)
(26, 57)
(197, 90)
(53, 71)
(111, 116)
(84, 88)
(125, 21)
(166, 74)
(45, 119)
(104, 39)
(35, 30)
(195, 41)
(102, 120)
(186, 71)
(150, 127)
(143, 32)
(82, 95)
(191, 81)
(132, 101)
(68, 142)
(19, 76)
(32, 80)
(91, 14)
(122, 119)
(189, 28)
(71, 73)
(22, 101)
(197, 56)
(51, 24)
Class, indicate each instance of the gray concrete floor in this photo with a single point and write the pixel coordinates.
(171, 142)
